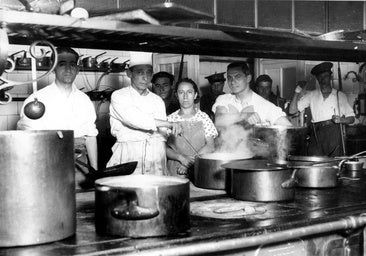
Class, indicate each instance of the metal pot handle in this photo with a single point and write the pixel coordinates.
(129, 209)
(291, 182)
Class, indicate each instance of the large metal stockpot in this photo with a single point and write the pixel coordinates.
(260, 180)
(37, 187)
(141, 205)
(208, 172)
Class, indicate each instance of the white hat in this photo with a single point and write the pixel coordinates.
(140, 58)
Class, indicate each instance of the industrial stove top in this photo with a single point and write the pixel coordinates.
(214, 217)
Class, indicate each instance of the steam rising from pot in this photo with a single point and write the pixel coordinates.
(260, 141)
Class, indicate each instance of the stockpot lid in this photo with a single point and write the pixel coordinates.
(255, 165)
(141, 181)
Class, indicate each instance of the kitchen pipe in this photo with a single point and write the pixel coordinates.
(215, 246)
(339, 110)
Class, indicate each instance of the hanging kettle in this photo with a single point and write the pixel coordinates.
(360, 105)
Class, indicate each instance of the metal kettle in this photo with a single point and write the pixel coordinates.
(359, 105)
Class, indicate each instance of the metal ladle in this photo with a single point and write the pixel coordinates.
(196, 153)
(34, 109)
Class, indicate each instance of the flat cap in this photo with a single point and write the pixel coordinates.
(321, 68)
(217, 77)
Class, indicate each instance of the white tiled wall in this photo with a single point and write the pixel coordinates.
(86, 81)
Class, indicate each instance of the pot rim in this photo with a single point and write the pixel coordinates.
(255, 165)
(141, 181)
(224, 156)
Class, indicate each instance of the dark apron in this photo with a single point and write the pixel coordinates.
(195, 134)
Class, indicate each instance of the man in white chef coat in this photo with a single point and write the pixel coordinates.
(67, 108)
(137, 117)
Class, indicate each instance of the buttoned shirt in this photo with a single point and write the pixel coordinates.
(73, 112)
(208, 126)
(324, 108)
(267, 111)
(132, 116)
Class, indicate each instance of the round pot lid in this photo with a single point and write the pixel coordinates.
(256, 165)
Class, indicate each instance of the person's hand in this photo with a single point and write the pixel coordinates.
(251, 117)
(185, 161)
(336, 119)
(176, 128)
(300, 85)
(232, 109)
(182, 170)
(248, 115)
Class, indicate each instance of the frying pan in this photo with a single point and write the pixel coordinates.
(121, 169)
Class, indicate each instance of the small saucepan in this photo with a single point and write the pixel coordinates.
(353, 165)
(24, 61)
(118, 67)
(90, 62)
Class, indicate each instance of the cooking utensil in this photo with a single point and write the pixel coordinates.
(141, 205)
(90, 62)
(196, 153)
(34, 109)
(316, 176)
(314, 159)
(37, 187)
(208, 172)
(24, 61)
(282, 140)
(103, 64)
(44, 61)
(118, 67)
(255, 180)
(353, 165)
(120, 169)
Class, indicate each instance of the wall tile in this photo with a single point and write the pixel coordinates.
(12, 122)
(9, 109)
(3, 123)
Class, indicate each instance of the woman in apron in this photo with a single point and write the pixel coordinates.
(198, 131)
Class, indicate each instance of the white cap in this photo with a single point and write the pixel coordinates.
(140, 58)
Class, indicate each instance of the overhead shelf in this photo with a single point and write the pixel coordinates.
(25, 27)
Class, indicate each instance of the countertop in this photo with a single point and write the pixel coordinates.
(310, 206)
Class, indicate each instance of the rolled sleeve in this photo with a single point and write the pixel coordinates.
(304, 102)
(123, 109)
(221, 101)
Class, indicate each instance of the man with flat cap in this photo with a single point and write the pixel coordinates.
(216, 81)
(329, 109)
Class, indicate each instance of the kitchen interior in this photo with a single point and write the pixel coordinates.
(284, 39)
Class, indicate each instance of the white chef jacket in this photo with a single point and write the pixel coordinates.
(266, 110)
(323, 109)
(73, 112)
(132, 118)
